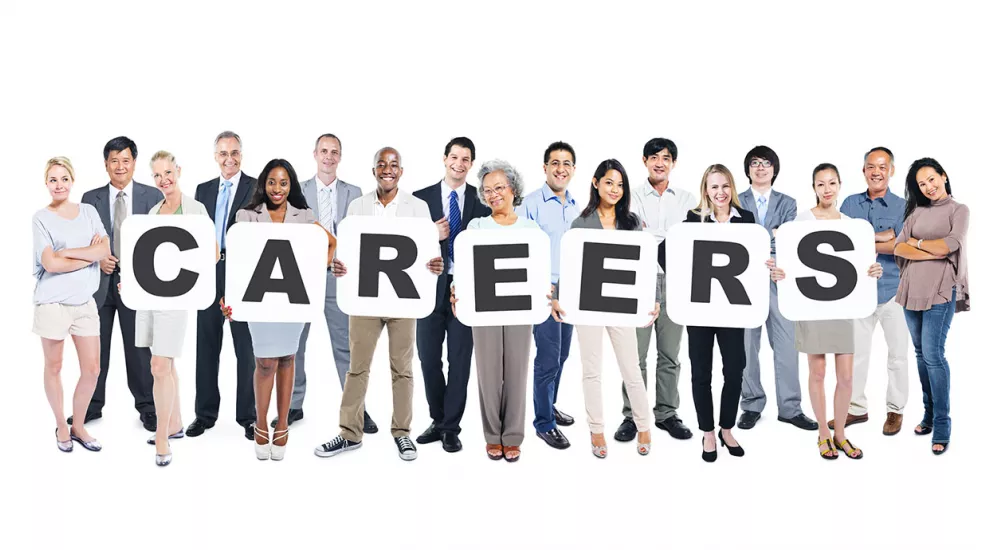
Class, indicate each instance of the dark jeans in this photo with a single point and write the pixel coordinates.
(553, 344)
(928, 331)
(701, 344)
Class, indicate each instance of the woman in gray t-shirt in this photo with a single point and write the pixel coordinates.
(69, 242)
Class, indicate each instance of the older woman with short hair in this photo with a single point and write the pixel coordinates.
(501, 352)
(69, 242)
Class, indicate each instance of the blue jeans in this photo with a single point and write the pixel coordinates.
(928, 331)
(553, 344)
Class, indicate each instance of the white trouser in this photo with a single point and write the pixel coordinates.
(891, 318)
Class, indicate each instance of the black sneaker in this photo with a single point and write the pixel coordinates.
(336, 446)
(407, 451)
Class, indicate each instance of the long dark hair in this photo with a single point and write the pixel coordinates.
(624, 219)
(295, 198)
(912, 192)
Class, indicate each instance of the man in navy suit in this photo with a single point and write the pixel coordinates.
(223, 196)
(453, 203)
(116, 201)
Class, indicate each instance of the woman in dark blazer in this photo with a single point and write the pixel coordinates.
(719, 204)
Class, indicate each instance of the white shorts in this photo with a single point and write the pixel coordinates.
(162, 331)
(56, 321)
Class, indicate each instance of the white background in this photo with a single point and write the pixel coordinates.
(816, 82)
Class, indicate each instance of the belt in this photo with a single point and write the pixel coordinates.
(223, 255)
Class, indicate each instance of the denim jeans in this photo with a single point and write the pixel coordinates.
(928, 331)
(553, 345)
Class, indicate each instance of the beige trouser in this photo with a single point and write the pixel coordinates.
(624, 343)
(895, 331)
(502, 359)
(364, 333)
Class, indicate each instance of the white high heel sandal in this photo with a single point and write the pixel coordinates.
(278, 451)
(263, 452)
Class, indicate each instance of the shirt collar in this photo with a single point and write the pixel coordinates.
(395, 200)
(549, 195)
(331, 187)
(650, 190)
(733, 213)
(446, 189)
(234, 180)
(757, 194)
(865, 197)
(128, 189)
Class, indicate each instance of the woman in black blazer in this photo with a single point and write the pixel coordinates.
(719, 204)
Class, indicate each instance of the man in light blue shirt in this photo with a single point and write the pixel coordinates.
(885, 211)
(553, 208)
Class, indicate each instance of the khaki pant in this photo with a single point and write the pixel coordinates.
(895, 331)
(364, 333)
(624, 344)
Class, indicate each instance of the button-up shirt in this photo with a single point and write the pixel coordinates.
(386, 210)
(445, 191)
(886, 212)
(330, 192)
(235, 181)
(553, 216)
(733, 213)
(660, 213)
(128, 191)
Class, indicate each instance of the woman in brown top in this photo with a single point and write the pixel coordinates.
(931, 253)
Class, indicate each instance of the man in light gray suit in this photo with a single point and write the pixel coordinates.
(772, 209)
(329, 198)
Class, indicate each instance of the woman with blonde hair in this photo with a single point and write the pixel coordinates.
(69, 242)
(719, 204)
(164, 331)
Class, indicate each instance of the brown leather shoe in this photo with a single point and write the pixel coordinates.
(893, 424)
(850, 420)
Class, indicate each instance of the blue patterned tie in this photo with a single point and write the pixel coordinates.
(220, 215)
(454, 219)
(761, 208)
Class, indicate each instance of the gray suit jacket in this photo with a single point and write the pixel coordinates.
(145, 198)
(345, 194)
(780, 210)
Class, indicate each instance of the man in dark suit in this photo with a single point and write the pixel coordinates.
(122, 197)
(223, 196)
(453, 203)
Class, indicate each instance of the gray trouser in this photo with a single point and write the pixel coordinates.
(502, 363)
(337, 326)
(780, 332)
(668, 369)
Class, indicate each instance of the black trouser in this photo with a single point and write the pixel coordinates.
(209, 340)
(137, 360)
(701, 343)
(446, 399)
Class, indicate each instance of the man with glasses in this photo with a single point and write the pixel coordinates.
(659, 207)
(772, 210)
(223, 196)
(553, 208)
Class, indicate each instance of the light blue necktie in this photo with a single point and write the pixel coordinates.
(220, 216)
(761, 208)
(454, 220)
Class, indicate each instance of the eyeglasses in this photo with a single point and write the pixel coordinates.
(497, 190)
(558, 164)
(232, 154)
(757, 163)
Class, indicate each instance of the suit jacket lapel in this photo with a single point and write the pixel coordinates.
(343, 195)
(312, 195)
(243, 188)
(435, 202)
(210, 198)
(772, 204)
(470, 197)
(103, 207)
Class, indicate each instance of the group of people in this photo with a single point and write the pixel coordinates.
(920, 270)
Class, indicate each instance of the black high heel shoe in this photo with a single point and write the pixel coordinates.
(708, 456)
(734, 451)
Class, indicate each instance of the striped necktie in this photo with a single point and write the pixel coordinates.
(454, 219)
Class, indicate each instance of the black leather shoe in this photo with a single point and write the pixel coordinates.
(563, 419)
(294, 414)
(748, 420)
(249, 431)
(431, 435)
(90, 416)
(554, 438)
(801, 421)
(627, 430)
(197, 427)
(451, 443)
(675, 428)
(150, 421)
(369, 425)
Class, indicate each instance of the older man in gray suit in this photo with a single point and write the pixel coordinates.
(329, 198)
(772, 209)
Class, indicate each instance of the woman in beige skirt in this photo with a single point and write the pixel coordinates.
(835, 336)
